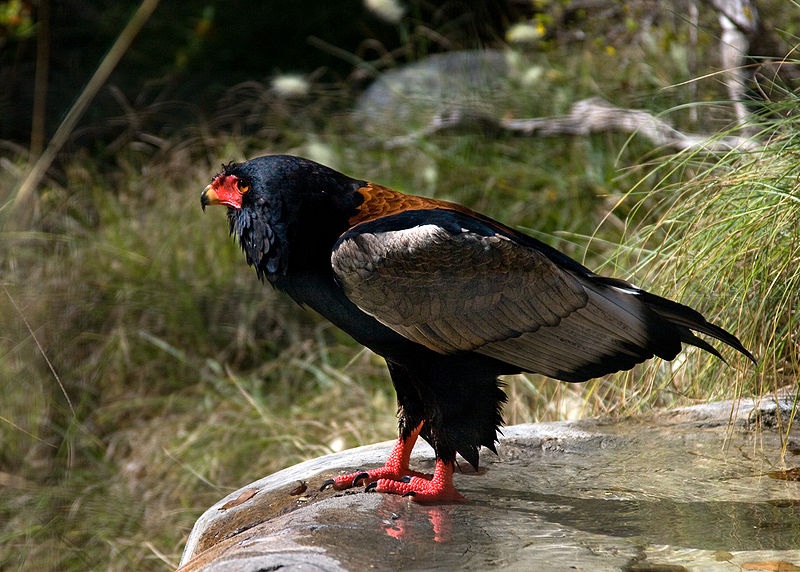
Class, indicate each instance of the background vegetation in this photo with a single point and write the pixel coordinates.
(144, 371)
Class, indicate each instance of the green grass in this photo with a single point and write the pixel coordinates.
(726, 241)
(186, 378)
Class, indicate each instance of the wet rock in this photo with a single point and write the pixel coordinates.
(684, 489)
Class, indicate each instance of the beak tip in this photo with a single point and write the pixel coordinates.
(205, 200)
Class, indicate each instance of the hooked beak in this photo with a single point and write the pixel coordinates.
(209, 197)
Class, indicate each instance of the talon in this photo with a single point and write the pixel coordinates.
(371, 487)
(405, 479)
(410, 494)
(360, 477)
(326, 484)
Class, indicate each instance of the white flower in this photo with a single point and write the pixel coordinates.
(524, 33)
(387, 10)
(290, 85)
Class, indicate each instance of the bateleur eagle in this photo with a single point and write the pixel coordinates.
(450, 298)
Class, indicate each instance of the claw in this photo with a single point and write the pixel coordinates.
(410, 494)
(326, 484)
(371, 487)
(360, 477)
(405, 479)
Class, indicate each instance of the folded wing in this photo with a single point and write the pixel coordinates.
(456, 284)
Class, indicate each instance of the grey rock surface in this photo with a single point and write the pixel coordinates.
(700, 488)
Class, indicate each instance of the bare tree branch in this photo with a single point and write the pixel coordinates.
(587, 116)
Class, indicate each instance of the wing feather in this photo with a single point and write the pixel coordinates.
(454, 290)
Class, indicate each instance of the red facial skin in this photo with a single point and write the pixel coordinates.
(225, 190)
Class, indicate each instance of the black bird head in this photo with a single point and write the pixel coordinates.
(283, 209)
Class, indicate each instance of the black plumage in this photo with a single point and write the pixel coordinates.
(449, 297)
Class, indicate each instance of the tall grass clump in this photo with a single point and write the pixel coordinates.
(726, 241)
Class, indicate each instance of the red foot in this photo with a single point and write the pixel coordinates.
(395, 477)
(396, 467)
(360, 478)
(438, 488)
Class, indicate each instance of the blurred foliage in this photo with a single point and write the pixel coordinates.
(194, 51)
(16, 22)
(144, 370)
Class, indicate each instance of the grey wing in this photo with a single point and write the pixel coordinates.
(465, 291)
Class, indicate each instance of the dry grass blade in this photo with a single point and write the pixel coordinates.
(97, 81)
(41, 350)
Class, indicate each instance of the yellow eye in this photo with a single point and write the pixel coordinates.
(242, 186)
